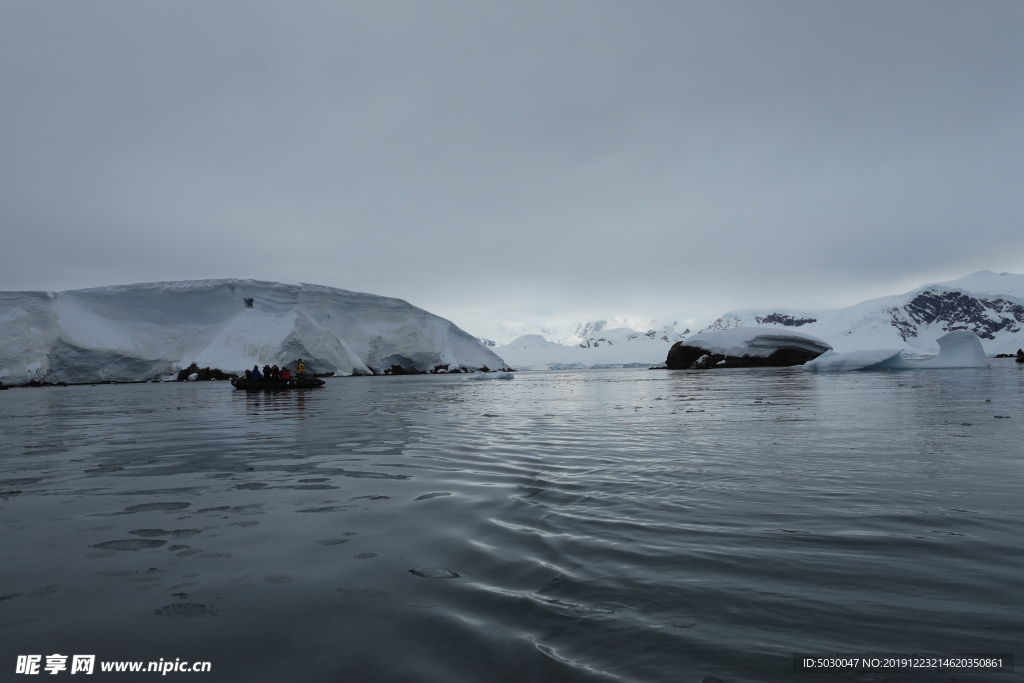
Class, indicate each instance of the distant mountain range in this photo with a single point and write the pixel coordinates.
(989, 304)
(577, 332)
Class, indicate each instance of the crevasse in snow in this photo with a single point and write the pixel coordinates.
(145, 331)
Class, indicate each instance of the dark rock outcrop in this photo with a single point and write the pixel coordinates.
(205, 374)
(398, 369)
(681, 356)
(956, 311)
(783, 319)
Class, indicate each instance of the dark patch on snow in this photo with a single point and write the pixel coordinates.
(782, 319)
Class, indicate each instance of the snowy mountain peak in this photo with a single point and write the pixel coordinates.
(983, 282)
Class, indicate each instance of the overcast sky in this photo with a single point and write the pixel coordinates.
(522, 160)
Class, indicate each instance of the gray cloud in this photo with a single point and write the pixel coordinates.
(500, 160)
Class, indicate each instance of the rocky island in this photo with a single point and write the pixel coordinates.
(744, 347)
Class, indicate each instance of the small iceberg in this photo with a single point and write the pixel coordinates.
(957, 349)
(492, 375)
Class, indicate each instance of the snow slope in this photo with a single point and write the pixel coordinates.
(957, 349)
(144, 331)
(989, 304)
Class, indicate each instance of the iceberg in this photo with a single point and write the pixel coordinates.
(957, 349)
(492, 375)
(149, 331)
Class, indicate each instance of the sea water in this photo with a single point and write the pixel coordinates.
(615, 525)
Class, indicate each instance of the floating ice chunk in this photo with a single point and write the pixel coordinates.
(831, 361)
(957, 349)
(493, 375)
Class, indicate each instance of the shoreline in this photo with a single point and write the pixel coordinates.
(39, 384)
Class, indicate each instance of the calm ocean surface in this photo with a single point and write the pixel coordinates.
(618, 525)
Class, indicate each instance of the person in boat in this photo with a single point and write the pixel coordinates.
(266, 372)
(256, 373)
(300, 368)
(275, 372)
(286, 373)
(248, 374)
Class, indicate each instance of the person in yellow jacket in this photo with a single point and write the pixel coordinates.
(300, 368)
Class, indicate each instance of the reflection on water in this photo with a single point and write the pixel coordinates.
(604, 525)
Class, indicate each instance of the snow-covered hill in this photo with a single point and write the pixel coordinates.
(989, 304)
(145, 331)
(614, 348)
